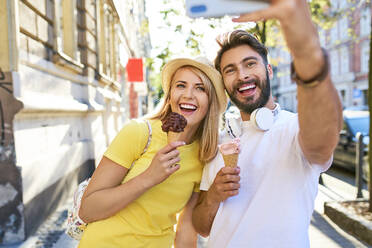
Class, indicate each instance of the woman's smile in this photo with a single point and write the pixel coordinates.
(187, 109)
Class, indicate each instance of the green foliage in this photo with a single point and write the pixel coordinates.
(261, 29)
(322, 13)
(155, 76)
(164, 55)
(156, 89)
(168, 12)
(193, 44)
(173, 15)
(155, 79)
(144, 28)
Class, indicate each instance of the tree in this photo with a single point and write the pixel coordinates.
(194, 31)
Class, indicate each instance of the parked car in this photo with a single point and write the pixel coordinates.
(345, 154)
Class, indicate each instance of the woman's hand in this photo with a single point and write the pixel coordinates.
(186, 236)
(164, 163)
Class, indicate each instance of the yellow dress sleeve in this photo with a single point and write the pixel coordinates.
(128, 144)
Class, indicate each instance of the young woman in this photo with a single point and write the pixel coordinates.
(136, 205)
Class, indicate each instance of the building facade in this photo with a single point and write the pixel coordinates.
(63, 97)
(347, 43)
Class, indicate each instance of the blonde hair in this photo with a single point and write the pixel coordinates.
(208, 129)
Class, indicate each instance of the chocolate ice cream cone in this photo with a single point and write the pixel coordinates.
(231, 160)
(174, 124)
(172, 136)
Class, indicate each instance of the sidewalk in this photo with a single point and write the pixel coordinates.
(323, 233)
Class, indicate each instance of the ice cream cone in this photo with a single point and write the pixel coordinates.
(230, 152)
(172, 136)
(174, 124)
(231, 160)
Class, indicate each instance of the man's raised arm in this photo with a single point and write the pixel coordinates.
(319, 106)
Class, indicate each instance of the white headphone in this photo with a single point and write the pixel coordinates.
(262, 119)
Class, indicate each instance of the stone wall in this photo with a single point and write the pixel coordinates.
(11, 203)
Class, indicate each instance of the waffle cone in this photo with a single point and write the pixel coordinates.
(231, 160)
(172, 136)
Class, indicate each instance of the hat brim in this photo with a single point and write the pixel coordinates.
(171, 67)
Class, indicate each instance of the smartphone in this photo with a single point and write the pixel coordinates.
(219, 8)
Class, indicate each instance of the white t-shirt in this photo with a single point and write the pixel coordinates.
(278, 187)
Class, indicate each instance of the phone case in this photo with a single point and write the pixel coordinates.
(219, 8)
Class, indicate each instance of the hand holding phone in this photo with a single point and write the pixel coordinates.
(219, 8)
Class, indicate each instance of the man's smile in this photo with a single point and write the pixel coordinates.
(248, 89)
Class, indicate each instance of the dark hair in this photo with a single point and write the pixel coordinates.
(237, 38)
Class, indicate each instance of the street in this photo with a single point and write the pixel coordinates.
(338, 185)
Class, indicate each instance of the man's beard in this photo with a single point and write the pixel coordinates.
(246, 106)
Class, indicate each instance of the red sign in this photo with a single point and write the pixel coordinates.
(135, 70)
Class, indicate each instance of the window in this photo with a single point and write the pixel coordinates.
(342, 95)
(344, 28)
(284, 57)
(334, 33)
(273, 55)
(66, 30)
(107, 22)
(288, 75)
(365, 22)
(334, 62)
(108, 40)
(364, 56)
(281, 79)
(287, 57)
(334, 5)
(294, 103)
(322, 37)
(343, 4)
(344, 60)
(284, 77)
(285, 102)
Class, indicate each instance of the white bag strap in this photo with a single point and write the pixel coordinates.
(149, 138)
(148, 142)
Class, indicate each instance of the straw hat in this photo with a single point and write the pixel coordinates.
(202, 64)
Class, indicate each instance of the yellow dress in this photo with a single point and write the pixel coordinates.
(148, 221)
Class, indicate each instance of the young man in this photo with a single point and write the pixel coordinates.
(268, 200)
